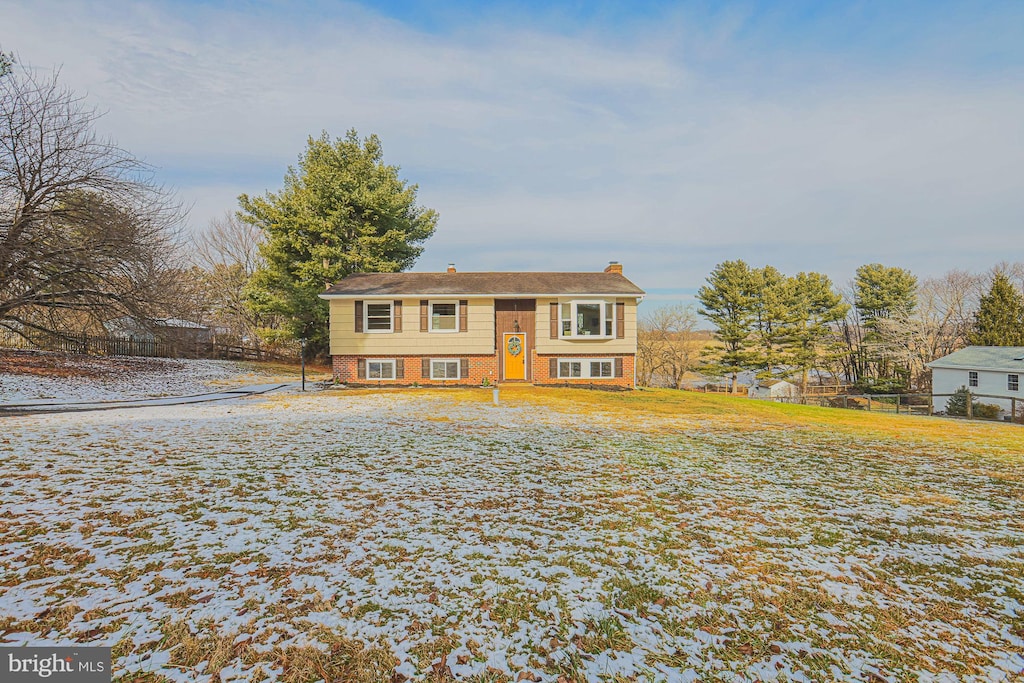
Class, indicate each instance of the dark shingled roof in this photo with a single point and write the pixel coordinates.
(485, 284)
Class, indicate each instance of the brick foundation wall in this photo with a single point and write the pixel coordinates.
(345, 370)
(542, 366)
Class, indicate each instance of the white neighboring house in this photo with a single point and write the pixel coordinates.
(773, 388)
(988, 370)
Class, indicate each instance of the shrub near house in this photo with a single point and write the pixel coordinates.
(464, 328)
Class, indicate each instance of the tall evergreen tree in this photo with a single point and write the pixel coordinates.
(884, 292)
(6, 63)
(728, 301)
(773, 314)
(1000, 317)
(342, 211)
(815, 307)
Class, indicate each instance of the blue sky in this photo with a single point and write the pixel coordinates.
(559, 136)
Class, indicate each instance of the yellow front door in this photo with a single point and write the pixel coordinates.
(515, 355)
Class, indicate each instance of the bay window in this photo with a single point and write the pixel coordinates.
(587, 319)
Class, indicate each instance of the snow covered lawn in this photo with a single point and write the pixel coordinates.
(563, 536)
(37, 376)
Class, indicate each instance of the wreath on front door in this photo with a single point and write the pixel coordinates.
(515, 346)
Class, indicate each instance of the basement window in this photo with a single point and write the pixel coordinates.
(585, 368)
(444, 369)
(380, 369)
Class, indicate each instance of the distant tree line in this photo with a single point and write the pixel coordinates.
(878, 333)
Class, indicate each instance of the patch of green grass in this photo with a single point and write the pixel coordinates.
(604, 634)
(636, 597)
(512, 606)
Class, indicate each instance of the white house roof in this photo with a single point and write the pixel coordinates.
(998, 358)
(772, 382)
(179, 322)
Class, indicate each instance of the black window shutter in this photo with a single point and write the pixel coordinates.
(464, 368)
(361, 368)
(425, 371)
(399, 368)
(618, 366)
(359, 316)
(553, 368)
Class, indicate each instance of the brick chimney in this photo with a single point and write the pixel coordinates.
(614, 267)
(451, 267)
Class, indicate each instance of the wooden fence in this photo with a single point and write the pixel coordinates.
(812, 389)
(741, 389)
(908, 404)
(104, 346)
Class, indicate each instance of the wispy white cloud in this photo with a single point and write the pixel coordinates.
(667, 146)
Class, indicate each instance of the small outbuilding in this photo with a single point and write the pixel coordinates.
(173, 330)
(773, 389)
(992, 373)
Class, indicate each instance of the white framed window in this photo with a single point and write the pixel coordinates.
(444, 368)
(570, 368)
(972, 378)
(444, 316)
(380, 369)
(587, 319)
(601, 368)
(1013, 382)
(379, 316)
(585, 368)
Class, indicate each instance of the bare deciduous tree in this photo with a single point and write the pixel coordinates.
(83, 227)
(937, 326)
(669, 346)
(229, 241)
(228, 254)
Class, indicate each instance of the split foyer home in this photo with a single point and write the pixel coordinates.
(465, 328)
(994, 372)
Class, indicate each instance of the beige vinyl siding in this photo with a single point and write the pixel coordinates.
(546, 345)
(478, 339)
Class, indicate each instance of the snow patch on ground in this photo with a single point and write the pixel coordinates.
(498, 540)
(111, 379)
